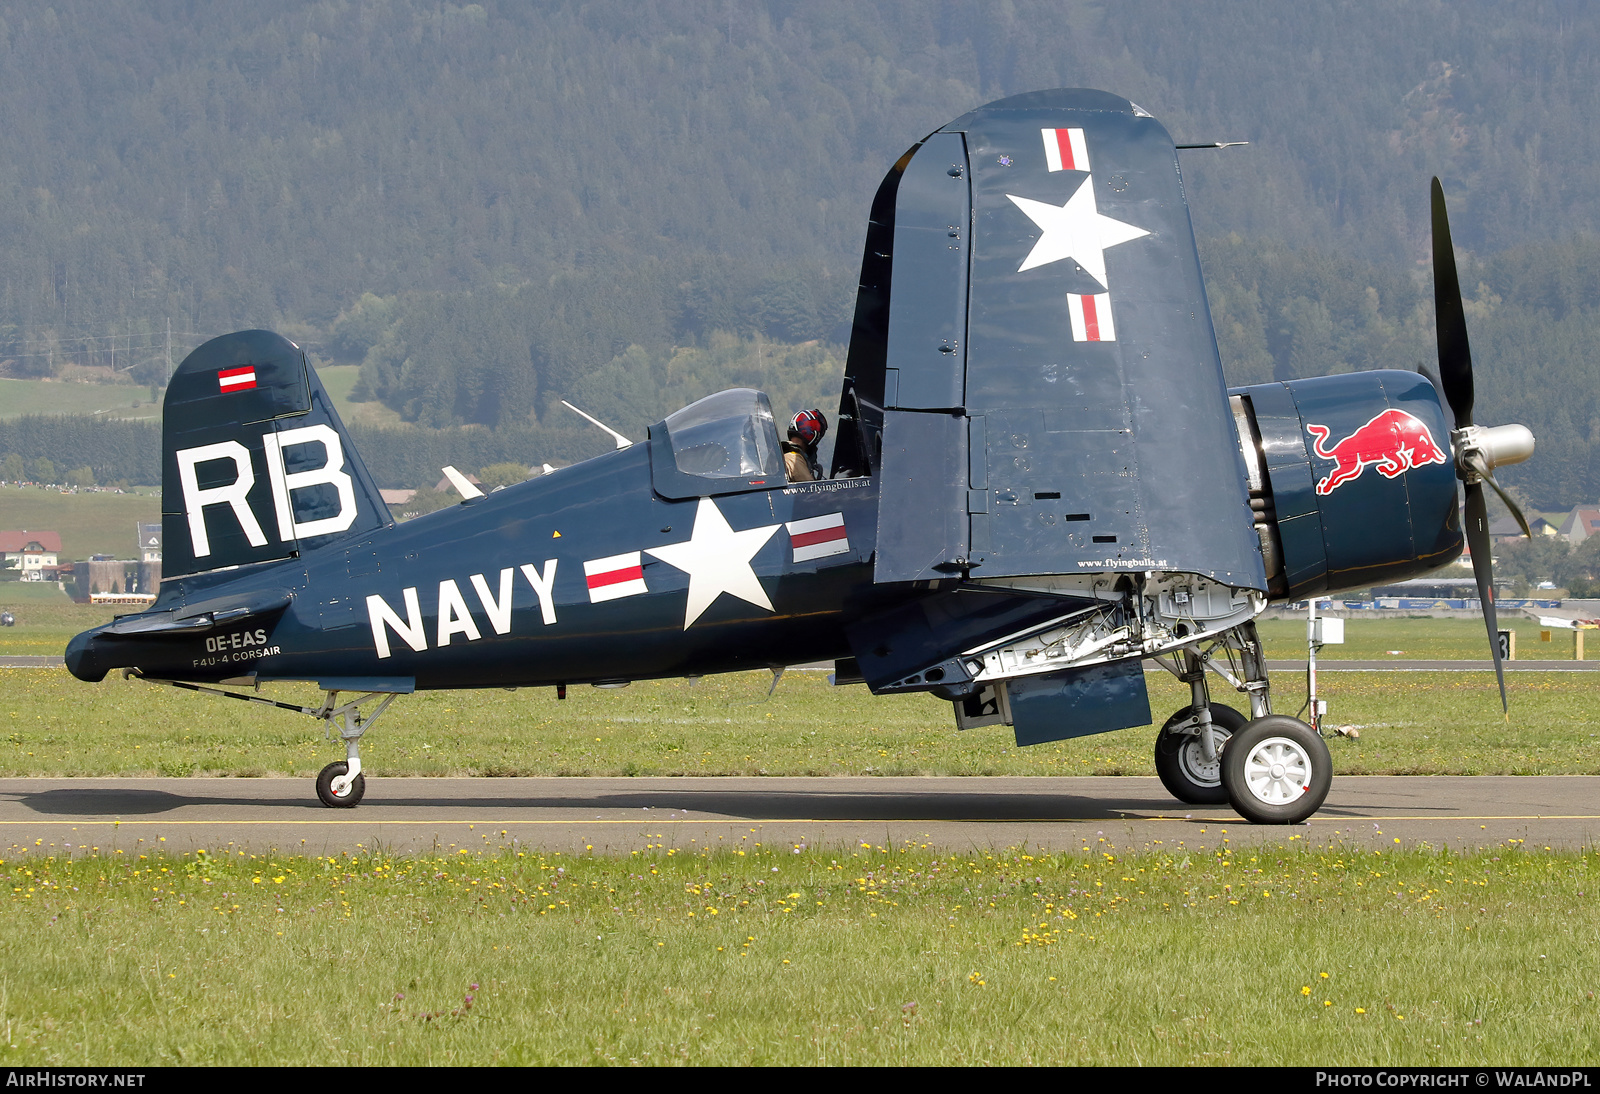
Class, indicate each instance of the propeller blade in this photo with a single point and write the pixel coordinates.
(1455, 354)
(1511, 505)
(1483, 570)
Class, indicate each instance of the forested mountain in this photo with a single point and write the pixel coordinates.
(497, 204)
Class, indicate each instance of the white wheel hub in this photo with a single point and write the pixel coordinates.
(1277, 771)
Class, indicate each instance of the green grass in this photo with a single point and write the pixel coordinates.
(19, 397)
(867, 955)
(89, 523)
(1421, 640)
(46, 618)
(1421, 723)
(1415, 723)
(340, 380)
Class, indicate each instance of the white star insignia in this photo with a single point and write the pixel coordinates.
(1075, 230)
(717, 560)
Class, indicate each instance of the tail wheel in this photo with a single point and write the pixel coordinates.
(1277, 770)
(1180, 759)
(352, 793)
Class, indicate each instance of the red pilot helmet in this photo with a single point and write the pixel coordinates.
(811, 426)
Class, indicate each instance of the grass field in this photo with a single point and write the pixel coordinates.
(340, 380)
(1422, 723)
(1417, 723)
(871, 955)
(1422, 640)
(89, 523)
(19, 397)
(46, 617)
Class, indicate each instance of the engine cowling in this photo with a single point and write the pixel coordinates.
(1352, 481)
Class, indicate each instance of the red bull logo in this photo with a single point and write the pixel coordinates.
(1394, 442)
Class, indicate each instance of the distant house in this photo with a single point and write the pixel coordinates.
(1507, 528)
(397, 497)
(149, 542)
(30, 552)
(149, 558)
(1580, 524)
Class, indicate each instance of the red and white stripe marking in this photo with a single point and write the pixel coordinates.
(1064, 149)
(818, 537)
(1091, 318)
(237, 379)
(614, 577)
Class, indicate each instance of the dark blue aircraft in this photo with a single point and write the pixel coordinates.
(1039, 481)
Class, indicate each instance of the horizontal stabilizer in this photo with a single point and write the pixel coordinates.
(202, 617)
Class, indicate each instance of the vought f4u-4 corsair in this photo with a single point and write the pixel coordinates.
(1040, 481)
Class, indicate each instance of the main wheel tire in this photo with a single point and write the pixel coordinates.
(1183, 770)
(1277, 770)
(352, 794)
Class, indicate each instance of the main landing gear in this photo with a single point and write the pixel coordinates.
(1271, 768)
(1188, 773)
(341, 784)
(1277, 770)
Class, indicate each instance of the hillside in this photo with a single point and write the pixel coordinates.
(486, 205)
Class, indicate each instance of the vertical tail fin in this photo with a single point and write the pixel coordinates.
(256, 465)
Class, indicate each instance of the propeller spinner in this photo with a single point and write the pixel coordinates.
(1478, 449)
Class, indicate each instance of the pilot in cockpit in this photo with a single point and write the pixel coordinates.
(800, 450)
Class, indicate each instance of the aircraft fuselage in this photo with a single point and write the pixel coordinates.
(551, 581)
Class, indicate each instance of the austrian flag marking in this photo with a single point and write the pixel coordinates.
(614, 577)
(818, 537)
(1064, 149)
(1091, 318)
(237, 379)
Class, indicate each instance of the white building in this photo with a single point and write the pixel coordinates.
(30, 552)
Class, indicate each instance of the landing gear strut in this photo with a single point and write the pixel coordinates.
(1181, 761)
(341, 784)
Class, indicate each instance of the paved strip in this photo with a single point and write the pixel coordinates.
(620, 815)
(32, 661)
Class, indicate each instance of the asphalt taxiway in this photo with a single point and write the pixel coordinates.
(619, 815)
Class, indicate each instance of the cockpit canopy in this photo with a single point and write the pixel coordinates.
(722, 444)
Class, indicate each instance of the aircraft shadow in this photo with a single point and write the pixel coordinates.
(648, 807)
(887, 806)
(119, 802)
